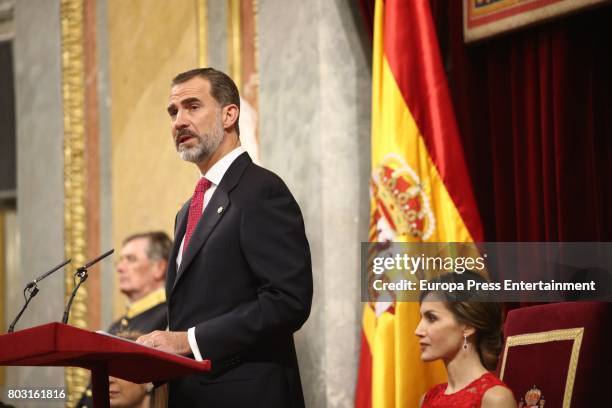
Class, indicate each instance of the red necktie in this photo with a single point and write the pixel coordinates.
(195, 208)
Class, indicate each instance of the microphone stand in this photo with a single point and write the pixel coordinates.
(81, 273)
(32, 290)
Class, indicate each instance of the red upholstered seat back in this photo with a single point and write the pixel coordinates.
(564, 349)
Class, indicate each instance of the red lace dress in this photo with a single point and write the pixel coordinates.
(468, 397)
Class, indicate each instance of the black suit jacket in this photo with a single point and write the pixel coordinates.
(245, 284)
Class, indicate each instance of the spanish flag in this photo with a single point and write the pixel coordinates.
(420, 191)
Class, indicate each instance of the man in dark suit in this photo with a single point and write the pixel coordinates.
(239, 282)
(142, 273)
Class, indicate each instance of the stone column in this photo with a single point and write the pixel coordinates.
(40, 188)
(315, 133)
(107, 269)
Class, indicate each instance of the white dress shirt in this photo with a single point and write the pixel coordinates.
(214, 175)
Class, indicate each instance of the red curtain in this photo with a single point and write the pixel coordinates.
(535, 114)
(534, 109)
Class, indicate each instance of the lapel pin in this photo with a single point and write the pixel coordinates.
(219, 210)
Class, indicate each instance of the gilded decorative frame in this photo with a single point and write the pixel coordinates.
(482, 19)
(75, 241)
(574, 334)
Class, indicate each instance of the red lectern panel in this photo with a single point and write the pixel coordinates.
(57, 344)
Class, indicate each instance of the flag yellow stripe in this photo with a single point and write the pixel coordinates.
(383, 359)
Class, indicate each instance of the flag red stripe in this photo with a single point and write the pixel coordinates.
(363, 392)
(411, 48)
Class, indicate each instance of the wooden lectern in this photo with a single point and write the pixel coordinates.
(57, 344)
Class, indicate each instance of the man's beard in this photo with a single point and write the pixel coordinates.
(206, 145)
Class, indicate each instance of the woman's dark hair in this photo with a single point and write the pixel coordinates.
(473, 308)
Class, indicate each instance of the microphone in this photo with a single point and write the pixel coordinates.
(32, 289)
(82, 274)
(95, 261)
(44, 275)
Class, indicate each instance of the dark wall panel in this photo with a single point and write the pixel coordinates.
(8, 164)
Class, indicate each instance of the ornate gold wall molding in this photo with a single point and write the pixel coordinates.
(202, 12)
(234, 42)
(73, 99)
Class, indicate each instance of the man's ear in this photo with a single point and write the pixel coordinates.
(160, 269)
(230, 115)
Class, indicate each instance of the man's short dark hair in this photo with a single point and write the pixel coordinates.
(159, 246)
(222, 87)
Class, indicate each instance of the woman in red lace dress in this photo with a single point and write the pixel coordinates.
(467, 335)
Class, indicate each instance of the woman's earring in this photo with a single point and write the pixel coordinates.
(149, 388)
(465, 346)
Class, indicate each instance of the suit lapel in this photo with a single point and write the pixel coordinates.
(180, 226)
(214, 211)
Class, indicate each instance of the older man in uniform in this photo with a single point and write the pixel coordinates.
(142, 274)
